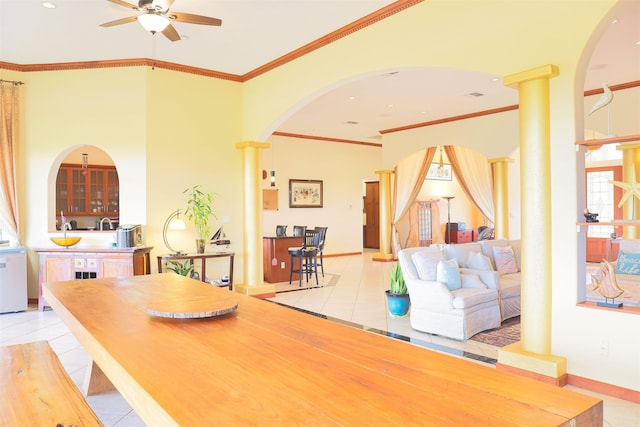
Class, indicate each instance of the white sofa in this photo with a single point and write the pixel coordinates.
(436, 309)
(508, 283)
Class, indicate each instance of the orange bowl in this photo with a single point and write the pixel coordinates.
(65, 241)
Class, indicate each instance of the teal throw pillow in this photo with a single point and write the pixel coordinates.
(628, 263)
(447, 272)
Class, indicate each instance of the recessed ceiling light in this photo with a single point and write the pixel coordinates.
(475, 94)
(184, 37)
(638, 42)
(390, 105)
(352, 97)
(615, 21)
(495, 79)
(48, 5)
(351, 122)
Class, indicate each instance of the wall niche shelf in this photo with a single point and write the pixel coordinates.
(604, 141)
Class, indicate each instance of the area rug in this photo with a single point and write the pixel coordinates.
(507, 333)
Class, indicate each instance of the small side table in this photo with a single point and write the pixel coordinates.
(203, 262)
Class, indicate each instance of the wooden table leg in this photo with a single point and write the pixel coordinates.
(95, 381)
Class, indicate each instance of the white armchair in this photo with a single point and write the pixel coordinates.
(457, 313)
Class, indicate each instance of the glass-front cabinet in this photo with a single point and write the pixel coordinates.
(92, 191)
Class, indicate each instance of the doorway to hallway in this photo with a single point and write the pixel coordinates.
(371, 226)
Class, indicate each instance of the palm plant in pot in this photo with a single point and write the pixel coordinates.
(198, 212)
(397, 296)
(181, 268)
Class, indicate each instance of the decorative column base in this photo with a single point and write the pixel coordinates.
(542, 367)
(383, 257)
(266, 290)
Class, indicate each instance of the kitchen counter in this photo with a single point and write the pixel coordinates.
(96, 249)
(276, 259)
(78, 263)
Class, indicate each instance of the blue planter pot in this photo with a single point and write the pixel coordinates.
(398, 304)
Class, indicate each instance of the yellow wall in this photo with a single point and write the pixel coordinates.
(165, 131)
(342, 168)
(67, 109)
(193, 123)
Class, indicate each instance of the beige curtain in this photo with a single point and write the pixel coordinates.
(474, 174)
(9, 108)
(409, 177)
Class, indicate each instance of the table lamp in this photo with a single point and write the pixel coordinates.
(173, 222)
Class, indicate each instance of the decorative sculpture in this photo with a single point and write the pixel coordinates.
(590, 217)
(607, 285)
(603, 101)
(631, 189)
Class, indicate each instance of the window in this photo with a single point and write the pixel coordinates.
(601, 199)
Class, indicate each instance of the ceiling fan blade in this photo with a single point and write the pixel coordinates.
(119, 21)
(124, 3)
(171, 33)
(193, 19)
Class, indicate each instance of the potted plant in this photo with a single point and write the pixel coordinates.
(198, 212)
(397, 296)
(181, 268)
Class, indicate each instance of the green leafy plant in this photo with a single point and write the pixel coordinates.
(397, 284)
(183, 269)
(199, 210)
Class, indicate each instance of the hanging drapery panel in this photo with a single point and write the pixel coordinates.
(9, 111)
(474, 175)
(409, 177)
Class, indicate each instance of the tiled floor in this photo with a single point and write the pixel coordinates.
(353, 292)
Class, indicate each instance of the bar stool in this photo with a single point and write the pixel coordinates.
(299, 230)
(307, 256)
(323, 236)
(281, 230)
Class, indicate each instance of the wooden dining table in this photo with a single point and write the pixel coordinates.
(267, 364)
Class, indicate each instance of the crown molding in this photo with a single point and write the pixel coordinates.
(326, 139)
(355, 26)
(118, 63)
(451, 119)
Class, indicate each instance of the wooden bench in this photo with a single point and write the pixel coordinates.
(35, 390)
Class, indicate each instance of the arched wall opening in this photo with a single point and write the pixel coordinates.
(345, 164)
(83, 185)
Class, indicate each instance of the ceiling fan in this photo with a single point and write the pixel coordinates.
(156, 17)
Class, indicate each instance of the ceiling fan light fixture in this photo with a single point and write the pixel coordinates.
(153, 22)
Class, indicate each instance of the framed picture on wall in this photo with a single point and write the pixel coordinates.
(305, 193)
(439, 173)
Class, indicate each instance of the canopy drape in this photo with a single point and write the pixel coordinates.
(409, 177)
(474, 174)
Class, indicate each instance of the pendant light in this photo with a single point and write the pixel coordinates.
(85, 158)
